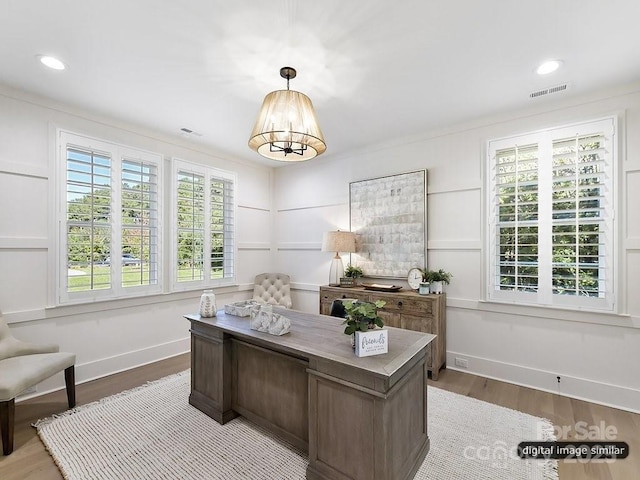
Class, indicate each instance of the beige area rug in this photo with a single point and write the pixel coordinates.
(152, 432)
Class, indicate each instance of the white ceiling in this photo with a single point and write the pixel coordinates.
(375, 70)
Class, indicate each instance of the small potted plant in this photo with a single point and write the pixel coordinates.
(351, 275)
(436, 278)
(361, 316)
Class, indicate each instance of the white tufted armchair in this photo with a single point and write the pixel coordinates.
(273, 288)
(23, 365)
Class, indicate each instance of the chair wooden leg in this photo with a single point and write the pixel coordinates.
(7, 419)
(70, 382)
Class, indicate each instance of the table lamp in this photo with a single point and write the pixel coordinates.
(338, 242)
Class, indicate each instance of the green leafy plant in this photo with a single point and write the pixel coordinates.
(436, 276)
(353, 272)
(361, 316)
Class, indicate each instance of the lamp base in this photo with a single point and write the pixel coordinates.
(336, 272)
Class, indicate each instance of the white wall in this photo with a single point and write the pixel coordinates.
(116, 335)
(597, 356)
(282, 215)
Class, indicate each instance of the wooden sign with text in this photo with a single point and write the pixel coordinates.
(375, 342)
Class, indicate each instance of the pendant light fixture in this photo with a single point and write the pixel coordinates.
(287, 128)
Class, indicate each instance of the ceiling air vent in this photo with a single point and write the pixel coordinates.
(187, 132)
(547, 91)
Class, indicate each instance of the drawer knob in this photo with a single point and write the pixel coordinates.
(399, 304)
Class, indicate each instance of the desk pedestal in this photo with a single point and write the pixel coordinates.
(355, 422)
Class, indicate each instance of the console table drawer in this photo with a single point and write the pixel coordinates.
(327, 298)
(415, 306)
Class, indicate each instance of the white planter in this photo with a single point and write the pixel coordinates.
(435, 287)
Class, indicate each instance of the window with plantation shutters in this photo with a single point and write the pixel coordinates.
(140, 220)
(109, 220)
(222, 227)
(551, 217)
(204, 233)
(191, 232)
(88, 228)
(517, 217)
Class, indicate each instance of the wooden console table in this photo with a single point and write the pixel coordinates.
(359, 418)
(404, 309)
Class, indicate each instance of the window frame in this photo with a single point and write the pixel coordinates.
(545, 297)
(117, 153)
(180, 165)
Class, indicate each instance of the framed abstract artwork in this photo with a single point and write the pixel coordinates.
(389, 217)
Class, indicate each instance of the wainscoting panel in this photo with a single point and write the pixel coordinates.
(632, 200)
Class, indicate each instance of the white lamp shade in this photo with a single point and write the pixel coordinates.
(287, 120)
(339, 242)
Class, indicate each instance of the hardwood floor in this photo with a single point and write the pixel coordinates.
(30, 461)
(563, 412)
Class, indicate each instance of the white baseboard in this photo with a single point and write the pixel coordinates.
(108, 366)
(119, 363)
(580, 388)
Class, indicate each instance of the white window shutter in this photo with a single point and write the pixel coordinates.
(551, 218)
(109, 216)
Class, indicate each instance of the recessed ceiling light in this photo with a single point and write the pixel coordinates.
(52, 62)
(548, 67)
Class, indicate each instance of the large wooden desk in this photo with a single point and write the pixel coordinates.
(359, 418)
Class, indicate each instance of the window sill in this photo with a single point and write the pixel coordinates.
(538, 311)
(66, 310)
